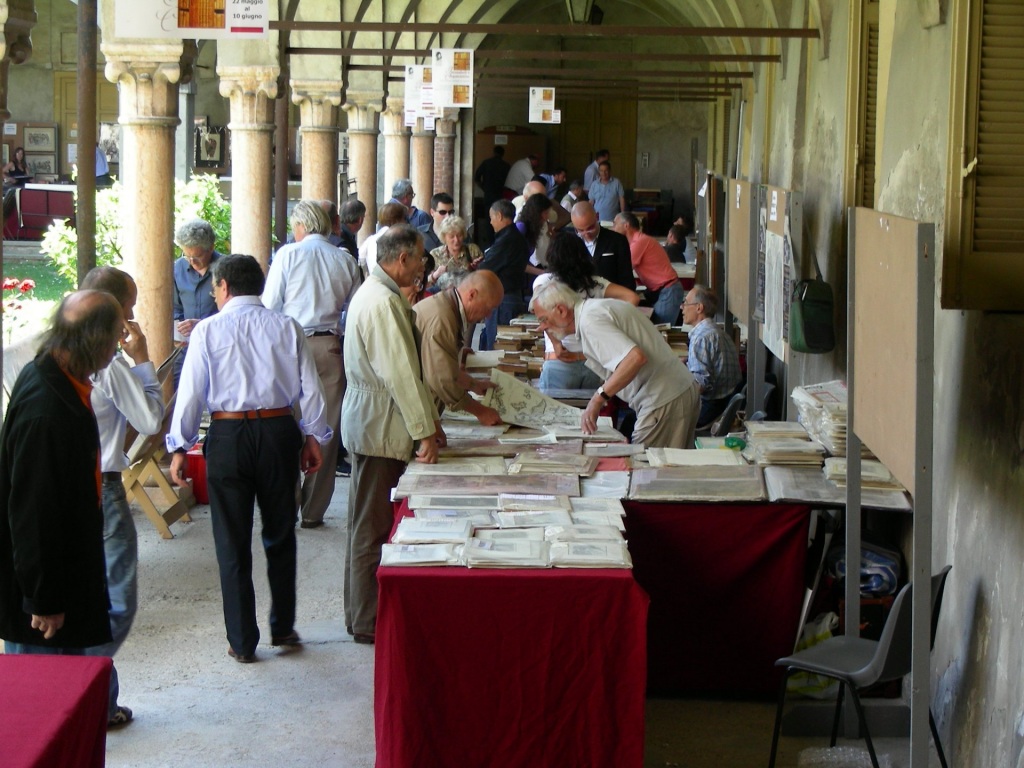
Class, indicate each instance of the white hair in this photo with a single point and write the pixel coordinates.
(551, 294)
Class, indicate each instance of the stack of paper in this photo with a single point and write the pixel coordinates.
(608, 485)
(419, 554)
(510, 534)
(577, 532)
(822, 408)
(791, 451)
(757, 429)
(605, 432)
(427, 501)
(598, 511)
(532, 502)
(698, 484)
(479, 553)
(679, 457)
(459, 466)
(417, 530)
(808, 484)
(485, 485)
(613, 450)
(590, 554)
(475, 517)
(518, 519)
(873, 474)
(547, 462)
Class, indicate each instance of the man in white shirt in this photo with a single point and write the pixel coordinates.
(632, 359)
(312, 282)
(250, 366)
(590, 174)
(121, 394)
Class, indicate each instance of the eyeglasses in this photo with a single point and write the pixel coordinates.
(690, 303)
(446, 212)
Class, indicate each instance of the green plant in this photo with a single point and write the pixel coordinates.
(199, 198)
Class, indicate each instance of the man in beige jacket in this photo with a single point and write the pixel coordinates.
(387, 408)
(442, 321)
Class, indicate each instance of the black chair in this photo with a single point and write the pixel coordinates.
(859, 663)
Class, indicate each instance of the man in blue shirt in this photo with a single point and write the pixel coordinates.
(402, 192)
(712, 357)
(192, 283)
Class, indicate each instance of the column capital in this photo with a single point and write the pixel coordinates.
(444, 126)
(17, 17)
(251, 91)
(393, 117)
(147, 74)
(363, 109)
(318, 102)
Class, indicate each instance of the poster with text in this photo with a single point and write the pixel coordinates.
(542, 105)
(191, 19)
(453, 77)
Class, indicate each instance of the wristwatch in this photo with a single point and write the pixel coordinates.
(604, 395)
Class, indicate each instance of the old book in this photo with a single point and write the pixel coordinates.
(590, 554)
(419, 554)
(698, 484)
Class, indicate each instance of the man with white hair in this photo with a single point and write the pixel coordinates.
(402, 192)
(633, 360)
(312, 281)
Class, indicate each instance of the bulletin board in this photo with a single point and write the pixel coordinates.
(780, 215)
(892, 271)
(740, 203)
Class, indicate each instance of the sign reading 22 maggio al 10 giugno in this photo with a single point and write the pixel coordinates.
(191, 19)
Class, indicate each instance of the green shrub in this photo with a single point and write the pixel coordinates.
(199, 198)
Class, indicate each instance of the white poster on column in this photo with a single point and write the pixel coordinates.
(191, 19)
(453, 77)
(542, 105)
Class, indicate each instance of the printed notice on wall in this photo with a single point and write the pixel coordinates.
(191, 19)
(419, 95)
(542, 105)
(453, 77)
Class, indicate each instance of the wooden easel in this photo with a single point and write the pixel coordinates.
(159, 500)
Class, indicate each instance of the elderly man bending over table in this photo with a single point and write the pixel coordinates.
(632, 359)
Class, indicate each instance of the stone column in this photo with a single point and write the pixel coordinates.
(252, 91)
(17, 17)
(444, 152)
(363, 110)
(422, 165)
(147, 75)
(396, 142)
(318, 102)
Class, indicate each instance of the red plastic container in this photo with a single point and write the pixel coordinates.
(196, 469)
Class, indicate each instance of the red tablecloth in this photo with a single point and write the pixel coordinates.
(726, 587)
(53, 711)
(507, 668)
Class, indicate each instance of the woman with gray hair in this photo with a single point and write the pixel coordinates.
(193, 282)
(453, 259)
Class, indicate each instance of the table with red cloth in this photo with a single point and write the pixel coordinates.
(53, 711)
(726, 583)
(509, 667)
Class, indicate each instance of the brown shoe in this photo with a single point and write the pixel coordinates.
(311, 523)
(364, 639)
(241, 658)
(292, 638)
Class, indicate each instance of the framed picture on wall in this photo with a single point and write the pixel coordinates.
(210, 147)
(110, 142)
(40, 139)
(41, 164)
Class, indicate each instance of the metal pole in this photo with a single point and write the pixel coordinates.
(86, 214)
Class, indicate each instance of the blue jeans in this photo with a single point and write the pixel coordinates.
(121, 547)
(557, 374)
(41, 650)
(666, 308)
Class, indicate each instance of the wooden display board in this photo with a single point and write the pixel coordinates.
(890, 255)
(740, 200)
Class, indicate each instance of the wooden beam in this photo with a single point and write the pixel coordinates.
(543, 81)
(544, 30)
(680, 74)
(409, 53)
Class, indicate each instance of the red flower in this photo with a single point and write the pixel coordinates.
(27, 285)
(10, 283)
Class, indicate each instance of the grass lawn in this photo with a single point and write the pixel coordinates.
(36, 309)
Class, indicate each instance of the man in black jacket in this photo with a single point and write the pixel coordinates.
(53, 591)
(608, 249)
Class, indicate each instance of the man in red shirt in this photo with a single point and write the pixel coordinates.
(652, 265)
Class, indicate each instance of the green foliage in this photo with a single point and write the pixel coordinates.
(199, 198)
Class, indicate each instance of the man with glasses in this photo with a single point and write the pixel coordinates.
(608, 250)
(441, 205)
(712, 357)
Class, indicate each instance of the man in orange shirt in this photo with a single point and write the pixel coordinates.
(652, 265)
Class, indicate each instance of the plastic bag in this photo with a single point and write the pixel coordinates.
(817, 630)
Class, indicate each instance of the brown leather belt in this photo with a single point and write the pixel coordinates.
(261, 413)
(576, 357)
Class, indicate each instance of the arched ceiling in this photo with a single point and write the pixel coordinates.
(643, 46)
